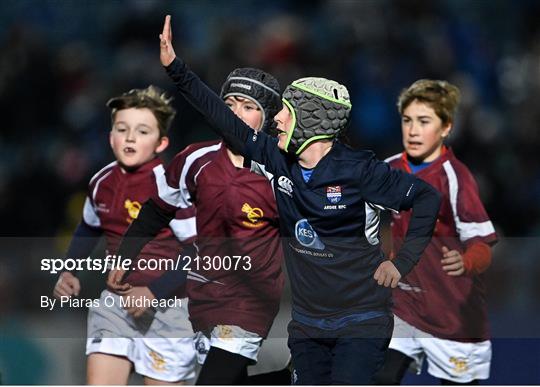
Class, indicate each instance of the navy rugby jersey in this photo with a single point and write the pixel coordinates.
(330, 224)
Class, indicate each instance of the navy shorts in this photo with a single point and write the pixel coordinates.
(347, 356)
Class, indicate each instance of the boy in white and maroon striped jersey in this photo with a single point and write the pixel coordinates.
(440, 306)
(232, 301)
(158, 344)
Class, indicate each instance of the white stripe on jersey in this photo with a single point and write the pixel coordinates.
(260, 169)
(466, 230)
(371, 228)
(382, 208)
(392, 158)
(90, 216)
(472, 229)
(200, 278)
(409, 288)
(184, 229)
(169, 195)
(110, 165)
(189, 162)
(94, 192)
(199, 171)
(179, 197)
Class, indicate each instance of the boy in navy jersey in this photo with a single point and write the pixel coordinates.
(328, 198)
(158, 345)
(440, 308)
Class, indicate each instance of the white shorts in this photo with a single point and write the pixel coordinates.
(273, 356)
(447, 359)
(232, 338)
(159, 343)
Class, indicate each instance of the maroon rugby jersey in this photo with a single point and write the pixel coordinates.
(447, 307)
(114, 200)
(236, 216)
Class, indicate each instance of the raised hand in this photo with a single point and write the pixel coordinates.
(387, 274)
(67, 285)
(166, 50)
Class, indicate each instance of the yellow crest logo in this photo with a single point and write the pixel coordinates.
(254, 215)
(460, 364)
(158, 362)
(133, 209)
(225, 332)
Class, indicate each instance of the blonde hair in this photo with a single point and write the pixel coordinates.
(151, 98)
(441, 96)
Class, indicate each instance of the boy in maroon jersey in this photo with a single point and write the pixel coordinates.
(236, 217)
(440, 307)
(120, 338)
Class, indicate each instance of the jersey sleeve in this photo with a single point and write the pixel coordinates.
(175, 185)
(222, 120)
(83, 242)
(263, 150)
(260, 170)
(396, 190)
(184, 225)
(471, 219)
(387, 188)
(172, 184)
(89, 231)
(90, 216)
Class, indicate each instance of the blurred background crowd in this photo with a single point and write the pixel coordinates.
(60, 61)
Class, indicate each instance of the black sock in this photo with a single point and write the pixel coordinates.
(275, 378)
(395, 366)
(223, 367)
